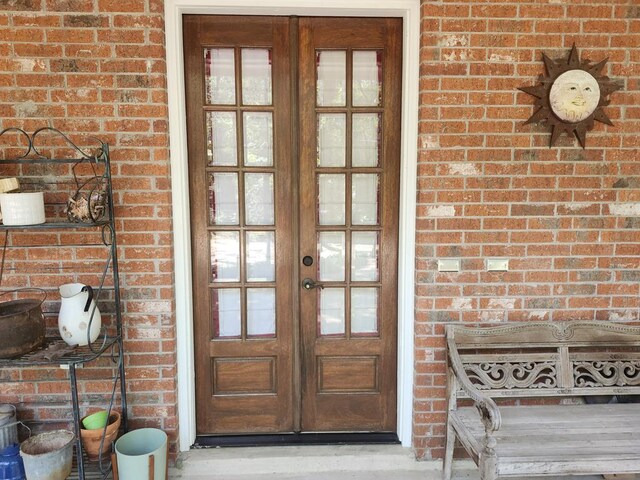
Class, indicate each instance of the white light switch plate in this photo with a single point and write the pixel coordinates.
(498, 264)
(449, 265)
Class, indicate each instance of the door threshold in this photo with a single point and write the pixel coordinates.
(288, 439)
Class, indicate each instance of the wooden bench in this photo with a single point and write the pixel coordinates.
(536, 360)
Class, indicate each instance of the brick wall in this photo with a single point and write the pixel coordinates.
(97, 68)
(566, 218)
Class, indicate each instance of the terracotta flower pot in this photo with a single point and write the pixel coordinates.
(91, 438)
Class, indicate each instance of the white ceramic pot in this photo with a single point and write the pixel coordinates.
(75, 314)
(23, 208)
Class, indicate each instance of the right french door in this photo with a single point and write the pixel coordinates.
(294, 163)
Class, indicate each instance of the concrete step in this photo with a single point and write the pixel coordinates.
(297, 460)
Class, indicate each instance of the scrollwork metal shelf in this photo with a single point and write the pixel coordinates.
(32, 163)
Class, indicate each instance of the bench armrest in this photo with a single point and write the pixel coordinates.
(489, 413)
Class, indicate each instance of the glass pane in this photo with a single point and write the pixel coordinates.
(365, 140)
(222, 144)
(258, 197)
(260, 256)
(332, 311)
(223, 199)
(258, 139)
(220, 76)
(256, 76)
(331, 199)
(225, 312)
(261, 312)
(331, 252)
(364, 310)
(364, 199)
(364, 256)
(332, 138)
(225, 256)
(331, 77)
(367, 78)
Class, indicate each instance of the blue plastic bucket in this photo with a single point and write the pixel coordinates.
(11, 466)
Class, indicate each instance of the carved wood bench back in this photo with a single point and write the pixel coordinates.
(542, 359)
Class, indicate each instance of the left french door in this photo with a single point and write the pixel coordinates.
(240, 225)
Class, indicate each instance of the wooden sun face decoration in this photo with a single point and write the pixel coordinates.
(571, 96)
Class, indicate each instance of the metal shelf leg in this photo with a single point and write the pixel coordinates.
(76, 419)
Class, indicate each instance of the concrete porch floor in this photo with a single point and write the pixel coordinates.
(314, 462)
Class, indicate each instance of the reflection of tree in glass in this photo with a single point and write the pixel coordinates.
(220, 76)
(367, 75)
(331, 77)
(366, 138)
(256, 76)
(260, 256)
(332, 139)
(258, 139)
(225, 256)
(258, 198)
(221, 138)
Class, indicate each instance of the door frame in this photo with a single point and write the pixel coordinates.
(409, 10)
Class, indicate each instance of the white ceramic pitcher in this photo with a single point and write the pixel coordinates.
(75, 314)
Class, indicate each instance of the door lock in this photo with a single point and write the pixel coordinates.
(309, 284)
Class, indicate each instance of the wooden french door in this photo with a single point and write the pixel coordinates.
(293, 133)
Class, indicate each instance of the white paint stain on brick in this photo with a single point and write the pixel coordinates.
(626, 315)
(453, 41)
(83, 92)
(625, 209)
(574, 207)
(27, 64)
(452, 57)
(538, 315)
(462, 303)
(430, 141)
(508, 303)
(441, 211)
(147, 334)
(26, 109)
(495, 57)
(463, 169)
(492, 316)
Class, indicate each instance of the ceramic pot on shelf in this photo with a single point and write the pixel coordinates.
(78, 314)
(91, 438)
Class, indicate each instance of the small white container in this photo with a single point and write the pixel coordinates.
(24, 208)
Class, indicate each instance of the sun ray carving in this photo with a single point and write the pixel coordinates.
(571, 96)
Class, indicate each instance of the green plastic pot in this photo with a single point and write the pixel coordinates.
(95, 420)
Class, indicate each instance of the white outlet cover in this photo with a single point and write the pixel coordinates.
(498, 264)
(449, 265)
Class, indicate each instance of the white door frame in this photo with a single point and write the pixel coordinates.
(409, 10)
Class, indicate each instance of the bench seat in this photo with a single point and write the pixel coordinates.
(557, 439)
(492, 366)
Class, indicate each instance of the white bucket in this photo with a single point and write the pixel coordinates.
(133, 451)
(23, 208)
(48, 456)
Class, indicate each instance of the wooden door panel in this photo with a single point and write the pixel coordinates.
(243, 382)
(350, 381)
